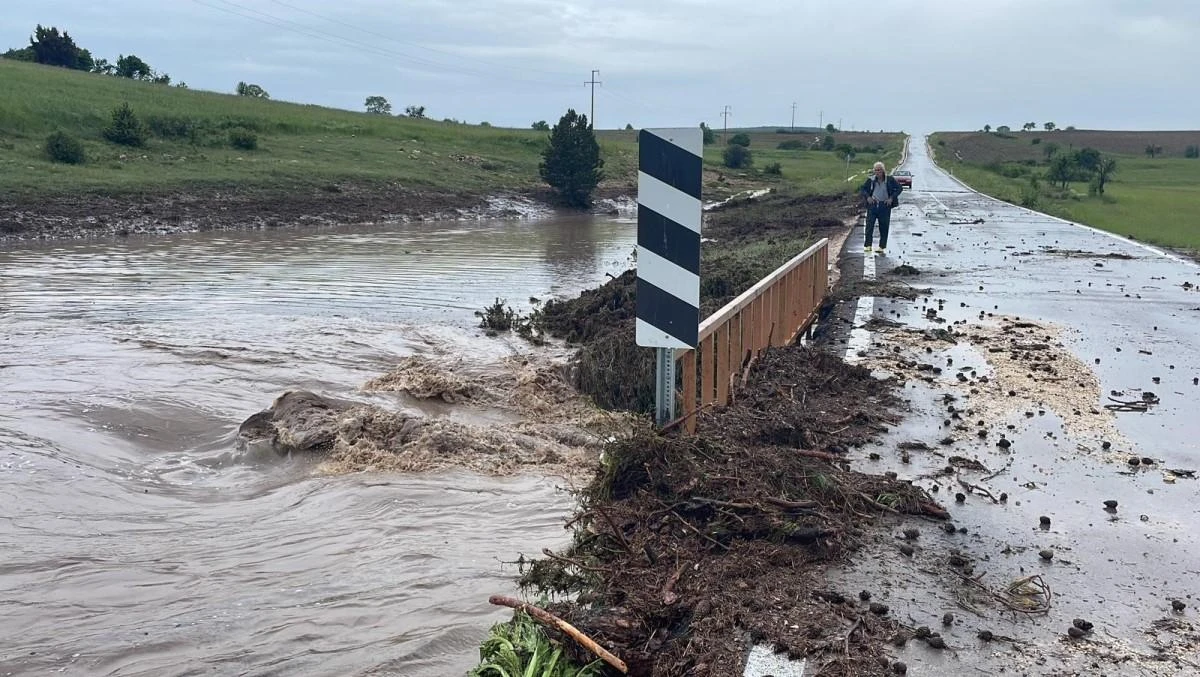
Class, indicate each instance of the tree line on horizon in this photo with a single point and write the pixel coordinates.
(50, 47)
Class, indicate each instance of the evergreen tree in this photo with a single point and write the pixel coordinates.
(571, 164)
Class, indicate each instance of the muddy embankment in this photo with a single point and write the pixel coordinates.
(687, 550)
(242, 208)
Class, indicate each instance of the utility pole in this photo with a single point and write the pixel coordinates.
(593, 82)
(821, 124)
(793, 116)
(725, 114)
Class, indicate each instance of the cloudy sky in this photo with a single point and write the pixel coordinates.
(912, 65)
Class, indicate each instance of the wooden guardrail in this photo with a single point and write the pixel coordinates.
(774, 312)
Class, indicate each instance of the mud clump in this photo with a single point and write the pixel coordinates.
(683, 544)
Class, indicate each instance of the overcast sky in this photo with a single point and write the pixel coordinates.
(912, 65)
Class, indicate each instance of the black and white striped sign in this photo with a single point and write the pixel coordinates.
(668, 254)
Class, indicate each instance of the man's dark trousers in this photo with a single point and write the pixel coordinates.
(883, 215)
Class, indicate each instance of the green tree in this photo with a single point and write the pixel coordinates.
(1050, 150)
(540, 126)
(1105, 168)
(126, 129)
(710, 137)
(830, 128)
(377, 105)
(737, 157)
(828, 143)
(571, 163)
(1192, 152)
(1029, 126)
(1088, 159)
(23, 54)
(103, 67)
(415, 112)
(1049, 126)
(987, 129)
(133, 68)
(1003, 129)
(740, 139)
(1061, 171)
(629, 126)
(58, 49)
(253, 91)
(1152, 150)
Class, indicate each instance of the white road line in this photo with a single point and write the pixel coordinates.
(860, 336)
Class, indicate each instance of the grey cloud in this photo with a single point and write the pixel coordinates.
(917, 65)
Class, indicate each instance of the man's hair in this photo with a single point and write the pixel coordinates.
(879, 165)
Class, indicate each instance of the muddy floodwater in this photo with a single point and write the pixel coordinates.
(138, 540)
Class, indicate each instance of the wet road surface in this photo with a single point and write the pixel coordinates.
(1128, 312)
(138, 540)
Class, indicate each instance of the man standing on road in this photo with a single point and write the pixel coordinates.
(881, 193)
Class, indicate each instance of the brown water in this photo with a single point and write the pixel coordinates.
(137, 539)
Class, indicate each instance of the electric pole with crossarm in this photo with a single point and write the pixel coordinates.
(725, 132)
(593, 82)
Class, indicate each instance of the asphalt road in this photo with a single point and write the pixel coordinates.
(1128, 316)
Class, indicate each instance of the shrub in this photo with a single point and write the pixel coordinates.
(1192, 152)
(828, 143)
(171, 127)
(243, 139)
(64, 148)
(738, 157)
(792, 144)
(774, 169)
(126, 129)
(497, 317)
(1035, 140)
(740, 140)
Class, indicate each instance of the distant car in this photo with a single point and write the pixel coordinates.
(904, 178)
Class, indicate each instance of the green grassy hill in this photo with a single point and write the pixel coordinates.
(309, 161)
(298, 145)
(1151, 199)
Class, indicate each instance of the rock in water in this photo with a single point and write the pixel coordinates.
(298, 421)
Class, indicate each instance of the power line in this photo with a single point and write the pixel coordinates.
(404, 42)
(288, 25)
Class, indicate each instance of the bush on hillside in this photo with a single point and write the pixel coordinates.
(1192, 152)
(792, 144)
(172, 127)
(774, 169)
(64, 148)
(126, 129)
(738, 157)
(740, 140)
(243, 139)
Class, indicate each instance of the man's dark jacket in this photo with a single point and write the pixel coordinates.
(893, 190)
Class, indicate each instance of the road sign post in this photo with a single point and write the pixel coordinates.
(670, 166)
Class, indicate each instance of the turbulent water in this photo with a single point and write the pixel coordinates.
(138, 540)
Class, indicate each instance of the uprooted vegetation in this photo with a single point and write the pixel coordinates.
(688, 550)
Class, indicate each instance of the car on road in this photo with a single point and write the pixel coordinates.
(903, 177)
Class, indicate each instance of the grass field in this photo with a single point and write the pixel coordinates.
(297, 144)
(310, 146)
(1152, 200)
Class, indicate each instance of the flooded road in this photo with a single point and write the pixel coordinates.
(138, 540)
(1055, 324)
